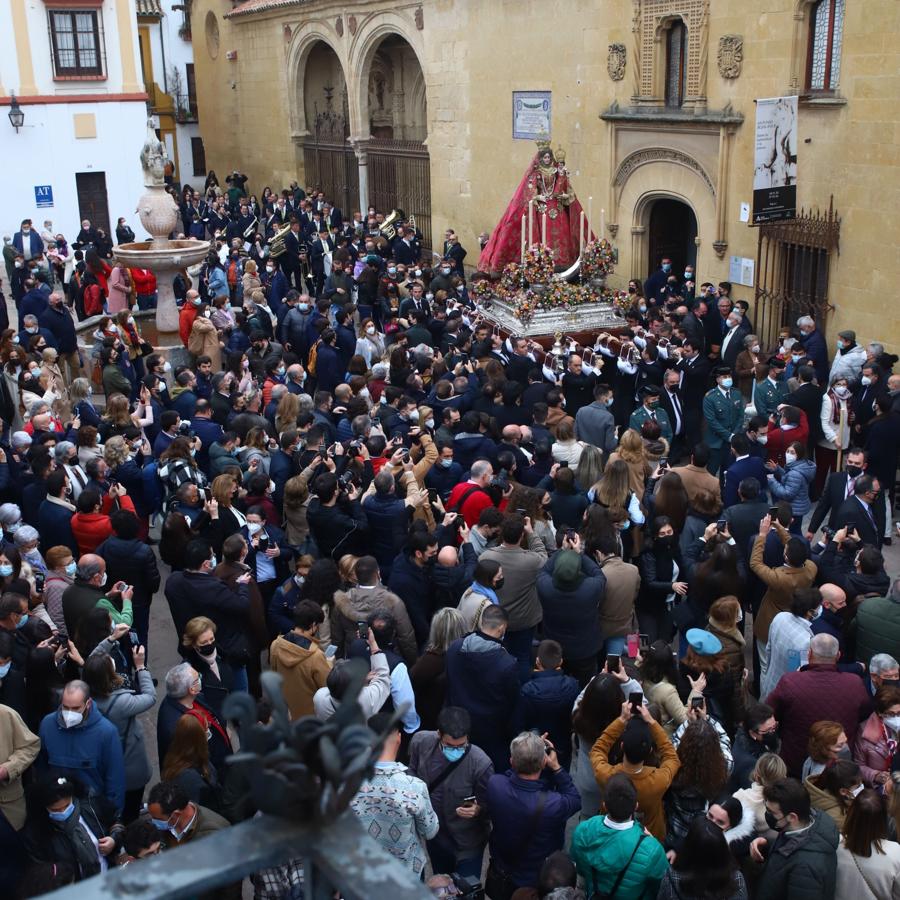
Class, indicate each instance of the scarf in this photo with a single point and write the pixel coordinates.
(485, 592)
(86, 854)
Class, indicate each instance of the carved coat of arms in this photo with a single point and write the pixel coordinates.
(615, 62)
(731, 55)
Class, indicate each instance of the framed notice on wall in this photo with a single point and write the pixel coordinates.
(531, 115)
(775, 160)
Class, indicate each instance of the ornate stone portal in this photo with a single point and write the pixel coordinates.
(159, 216)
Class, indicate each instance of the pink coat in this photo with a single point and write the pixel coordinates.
(119, 291)
(871, 751)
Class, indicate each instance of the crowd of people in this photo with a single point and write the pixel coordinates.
(624, 608)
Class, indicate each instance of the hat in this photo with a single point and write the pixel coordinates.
(703, 642)
(722, 370)
(567, 574)
(649, 390)
(848, 335)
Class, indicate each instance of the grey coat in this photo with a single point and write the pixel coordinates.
(122, 708)
(594, 423)
(469, 778)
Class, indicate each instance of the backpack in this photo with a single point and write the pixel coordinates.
(152, 490)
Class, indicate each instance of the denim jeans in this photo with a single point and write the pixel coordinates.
(240, 679)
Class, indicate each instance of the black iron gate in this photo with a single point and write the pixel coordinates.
(330, 163)
(400, 177)
(792, 268)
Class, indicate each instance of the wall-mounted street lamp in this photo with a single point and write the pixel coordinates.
(16, 114)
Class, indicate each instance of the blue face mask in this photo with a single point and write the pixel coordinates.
(4, 670)
(71, 567)
(6, 571)
(22, 621)
(609, 401)
(63, 814)
(688, 276)
(453, 754)
(160, 824)
(446, 463)
(667, 267)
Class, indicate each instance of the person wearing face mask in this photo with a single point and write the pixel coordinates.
(453, 768)
(723, 409)
(876, 739)
(655, 285)
(299, 659)
(849, 358)
(181, 821)
(85, 592)
(61, 568)
(770, 390)
(69, 829)
(792, 483)
(199, 648)
(827, 745)
(79, 741)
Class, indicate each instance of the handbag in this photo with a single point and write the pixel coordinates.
(604, 895)
(146, 348)
(499, 884)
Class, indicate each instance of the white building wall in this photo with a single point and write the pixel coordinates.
(46, 151)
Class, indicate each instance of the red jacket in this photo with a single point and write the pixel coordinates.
(93, 300)
(144, 281)
(186, 321)
(778, 439)
(475, 502)
(92, 529)
(814, 693)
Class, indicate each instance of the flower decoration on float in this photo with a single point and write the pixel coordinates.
(597, 258)
(538, 264)
(482, 290)
(510, 281)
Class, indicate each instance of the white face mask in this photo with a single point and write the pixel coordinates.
(71, 718)
(254, 527)
(370, 329)
(892, 722)
(790, 458)
(856, 791)
(102, 580)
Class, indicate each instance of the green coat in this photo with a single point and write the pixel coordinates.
(723, 416)
(767, 396)
(802, 868)
(600, 853)
(642, 414)
(877, 625)
(114, 382)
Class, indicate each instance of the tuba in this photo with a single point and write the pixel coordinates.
(387, 226)
(276, 245)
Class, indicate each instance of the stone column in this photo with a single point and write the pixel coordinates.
(361, 149)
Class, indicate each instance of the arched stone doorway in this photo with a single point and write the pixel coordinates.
(392, 103)
(329, 161)
(671, 232)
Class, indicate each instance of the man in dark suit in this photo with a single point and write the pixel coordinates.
(321, 247)
(744, 466)
(814, 346)
(733, 341)
(693, 323)
(694, 370)
(331, 217)
(873, 385)
(864, 511)
(715, 324)
(671, 400)
(838, 488)
(290, 259)
(808, 397)
(655, 285)
(743, 518)
(454, 250)
(406, 253)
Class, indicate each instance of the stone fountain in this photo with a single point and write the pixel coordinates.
(159, 215)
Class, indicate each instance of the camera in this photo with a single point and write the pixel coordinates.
(184, 428)
(345, 480)
(501, 480)
(469, 887)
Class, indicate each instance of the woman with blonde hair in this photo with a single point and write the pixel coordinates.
(770, 768)
(256, 447)
(226, 493)
(566, 448)
(746, 366)
(631, 451)
(724, 618)
(589, 469)
(187, 764)
(615, 491)
(429, 674)
(370, 344)
(347, 570)
(286, 413)
(80, 393)
(203, 339)
(198, 647)
(250, 279)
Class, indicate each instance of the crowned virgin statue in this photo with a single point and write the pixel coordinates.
(545, 189)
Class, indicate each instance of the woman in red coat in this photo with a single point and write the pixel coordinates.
(91, 525)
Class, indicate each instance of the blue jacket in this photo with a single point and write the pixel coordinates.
(24, 337)
(55, 527)
(87, 412)
(817, 350)
(388, 524)
(444, 480)
(468, 447)
(90, 753)
(794, 485)
(281, 607)
(511, 802)
(750, 467)
(35, 241)
(329, 368)
(209, 432)
(545, 703)
(281, 468)
(62, 326)
(34, 303)
(217, 282)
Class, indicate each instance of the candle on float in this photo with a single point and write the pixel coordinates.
(602, 223)
(523, 238)
(581, 234)
(544, 230)
(530, 223)
(590, 216)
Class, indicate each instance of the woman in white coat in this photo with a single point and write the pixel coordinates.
(834, 417)
(868, 864)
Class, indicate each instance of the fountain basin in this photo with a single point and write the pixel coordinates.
(164, 258)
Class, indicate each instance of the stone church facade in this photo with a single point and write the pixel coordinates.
(411, 104)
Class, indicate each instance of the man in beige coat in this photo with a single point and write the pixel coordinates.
(798, 571)
(18, 750)
(623, 581)
(695, 477)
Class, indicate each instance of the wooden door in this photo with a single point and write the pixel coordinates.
(671, 233)
(93, 202)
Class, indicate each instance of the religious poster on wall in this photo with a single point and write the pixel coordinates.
(775, 160)
(531, 115)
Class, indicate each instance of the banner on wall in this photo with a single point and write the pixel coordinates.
(775, 160)
(531, 115)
